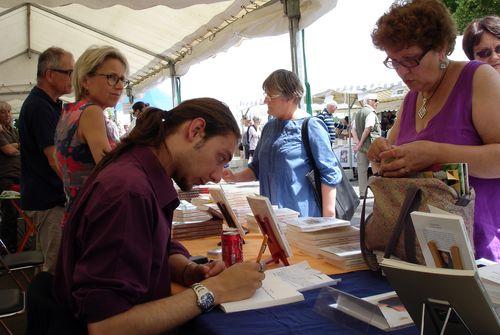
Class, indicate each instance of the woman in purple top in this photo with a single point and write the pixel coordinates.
(448, 114)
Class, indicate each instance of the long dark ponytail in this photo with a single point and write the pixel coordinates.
(155, 124)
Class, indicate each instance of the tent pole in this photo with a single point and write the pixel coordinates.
(349, 134)
(28, 29)
(176, 86)
(292, 11)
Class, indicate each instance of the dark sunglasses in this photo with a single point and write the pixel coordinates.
(485, 53)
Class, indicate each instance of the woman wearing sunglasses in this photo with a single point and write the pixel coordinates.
(448, 116)
(482, 41)
(83, 135)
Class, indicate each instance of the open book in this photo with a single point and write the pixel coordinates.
(282, 286)
(443, 240)
(384, 311)
(273, 292)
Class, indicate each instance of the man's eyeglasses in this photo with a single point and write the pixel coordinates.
(271, 97)
(66, 72)
(113, 79)
(407, 63)
(486, 52)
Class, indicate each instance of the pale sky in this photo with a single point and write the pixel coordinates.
(338, 48)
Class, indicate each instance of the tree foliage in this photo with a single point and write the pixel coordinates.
(464, 11)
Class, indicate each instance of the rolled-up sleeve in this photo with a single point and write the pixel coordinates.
(114, 271)
(325, 159)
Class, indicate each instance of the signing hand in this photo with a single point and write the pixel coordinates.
(407, 159)
(238, 282)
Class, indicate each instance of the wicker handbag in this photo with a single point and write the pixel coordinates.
(389, 227)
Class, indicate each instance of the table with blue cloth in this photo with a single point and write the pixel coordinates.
(296, 318)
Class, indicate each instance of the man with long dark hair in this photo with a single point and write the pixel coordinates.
(117, 259)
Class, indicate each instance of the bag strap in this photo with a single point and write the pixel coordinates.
(305, 140)
(410, 204)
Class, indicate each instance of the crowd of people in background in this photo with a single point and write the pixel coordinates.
(110, 200)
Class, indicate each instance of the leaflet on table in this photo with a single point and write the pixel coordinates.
(384, 311)
(310, 224)
(274, 292)
(302, 277)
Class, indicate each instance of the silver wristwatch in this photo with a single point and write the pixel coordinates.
(205, 298)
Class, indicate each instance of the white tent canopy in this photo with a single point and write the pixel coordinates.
(153, 34)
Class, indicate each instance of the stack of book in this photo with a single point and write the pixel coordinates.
(189, 223)
(312, 234)
(347, 257)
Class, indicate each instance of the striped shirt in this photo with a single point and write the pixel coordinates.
(327, 118)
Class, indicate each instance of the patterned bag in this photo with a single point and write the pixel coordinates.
(389, 228)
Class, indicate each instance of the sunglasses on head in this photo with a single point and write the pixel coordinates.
(486, 52)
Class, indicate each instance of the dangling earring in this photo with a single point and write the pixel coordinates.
(443, 65)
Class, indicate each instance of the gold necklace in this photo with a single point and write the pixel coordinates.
(422, 111)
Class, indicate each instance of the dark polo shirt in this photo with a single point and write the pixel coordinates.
(117, 241)
(41, 187)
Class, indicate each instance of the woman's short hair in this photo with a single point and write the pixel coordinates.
(90, 61)
(285, 83)
(424, 23)
(475, 30)
(5, 106)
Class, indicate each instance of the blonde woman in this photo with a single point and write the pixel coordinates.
(82, 135)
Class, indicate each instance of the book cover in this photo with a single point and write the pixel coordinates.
(262, 207)
(444, 231)
(310, 224)
(384, 311)
(219, 198)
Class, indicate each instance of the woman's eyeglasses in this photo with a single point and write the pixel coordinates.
(486, 52)
(113, 79)
(407, 63)
(271, 97)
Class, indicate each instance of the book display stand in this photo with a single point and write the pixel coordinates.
(438, 314)
(443, 301)
(270, 240)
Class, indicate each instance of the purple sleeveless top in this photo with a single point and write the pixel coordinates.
(453, 125)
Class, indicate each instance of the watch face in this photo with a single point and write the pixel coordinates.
(206, 301)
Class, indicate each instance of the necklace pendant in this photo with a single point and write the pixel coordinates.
(422, 111)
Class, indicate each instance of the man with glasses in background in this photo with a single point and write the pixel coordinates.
(42, 195)
(365, 130)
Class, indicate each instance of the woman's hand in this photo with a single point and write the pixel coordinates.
(228, 176)
(378, 146)
(407, 159)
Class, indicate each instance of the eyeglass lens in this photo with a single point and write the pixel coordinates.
(485, 53)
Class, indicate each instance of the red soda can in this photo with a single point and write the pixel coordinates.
(232, 247)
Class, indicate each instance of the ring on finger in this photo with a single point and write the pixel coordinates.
(262, 266)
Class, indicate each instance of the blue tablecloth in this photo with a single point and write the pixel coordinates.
(297, 318)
